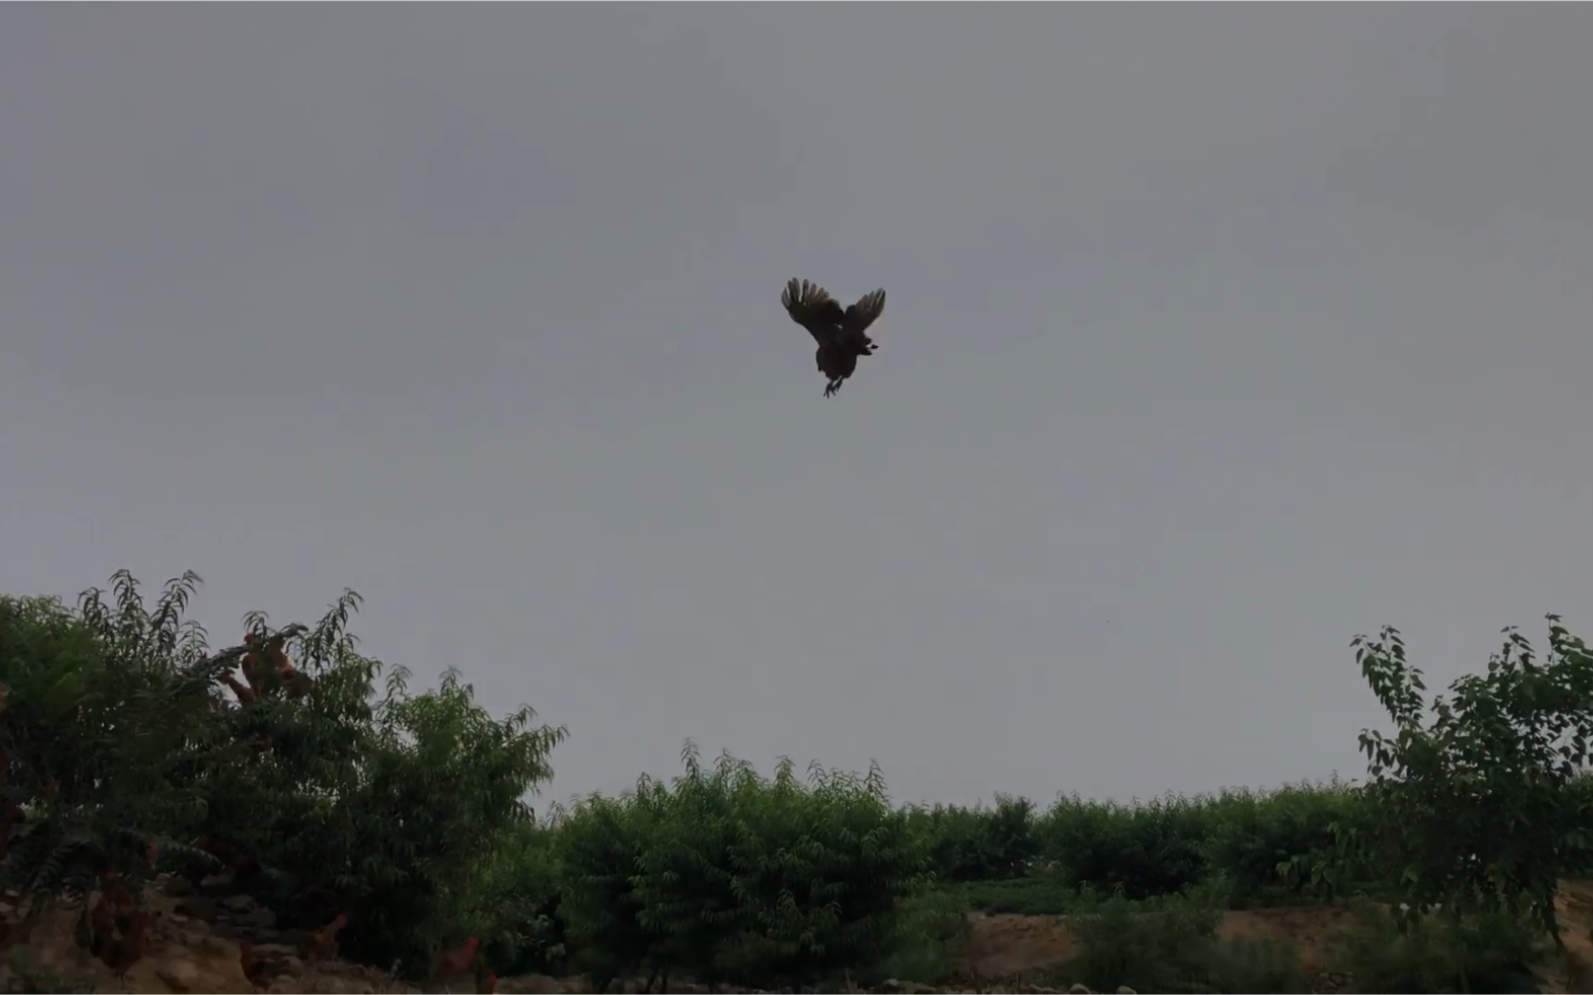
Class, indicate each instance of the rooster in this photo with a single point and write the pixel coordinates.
(324, 942)
(446, 964)
(122, 953)
(840, 334)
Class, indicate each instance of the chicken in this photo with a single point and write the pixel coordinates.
(323, 943)
(122, 953)
(243, 691)
(489, 984)
(271, 661)
(258, 972)
(446, 964)
(840, 334)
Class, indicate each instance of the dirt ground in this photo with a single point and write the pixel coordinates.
(1006, 946)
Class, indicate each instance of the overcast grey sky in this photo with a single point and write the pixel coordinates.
(1215, 335)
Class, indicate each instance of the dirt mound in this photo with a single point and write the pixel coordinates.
(1008, 945)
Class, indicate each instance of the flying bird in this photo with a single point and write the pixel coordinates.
(840, 334)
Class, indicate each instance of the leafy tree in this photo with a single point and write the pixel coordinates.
(1480, 806)
(104, 716)
(118, 732)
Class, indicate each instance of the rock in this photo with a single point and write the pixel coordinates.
(1125, 990)
(216, 946)
(278, 959)
(182, 975)
(215, 885)
(238, 904)
(1078, 990)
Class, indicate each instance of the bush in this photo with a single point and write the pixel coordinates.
(1141, 850)
(726, 876)
(1170, 945)
(1439, 953)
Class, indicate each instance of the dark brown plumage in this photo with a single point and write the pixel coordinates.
(840, 334)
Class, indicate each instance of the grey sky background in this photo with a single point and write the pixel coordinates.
(1215, 335)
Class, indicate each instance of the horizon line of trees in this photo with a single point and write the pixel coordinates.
(320, 781)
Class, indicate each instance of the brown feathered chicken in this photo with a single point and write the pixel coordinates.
(121, 953)
(446, 964)
(839, 333)
(324, 942)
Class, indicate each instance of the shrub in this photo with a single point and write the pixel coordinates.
(1170, 945)
(727, 876)
(1489, 952)
(1141, 850)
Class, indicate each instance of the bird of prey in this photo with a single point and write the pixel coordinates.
(840, 334)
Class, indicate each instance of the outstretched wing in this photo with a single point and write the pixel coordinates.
(862, 314)
(811, 306)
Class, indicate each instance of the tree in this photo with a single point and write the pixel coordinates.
(121, 746)
(1479, 808)
(107, 713)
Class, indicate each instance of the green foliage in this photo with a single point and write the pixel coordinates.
(598, 846)
(1479, 808)
(329, 799)
(513, 904)
(1170, 945)
(1142, 850)
(932, 933)
(1283, 845)
(979, 844)
(726, 876)
(325, 787)
(106, 714)
(1489, 952)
